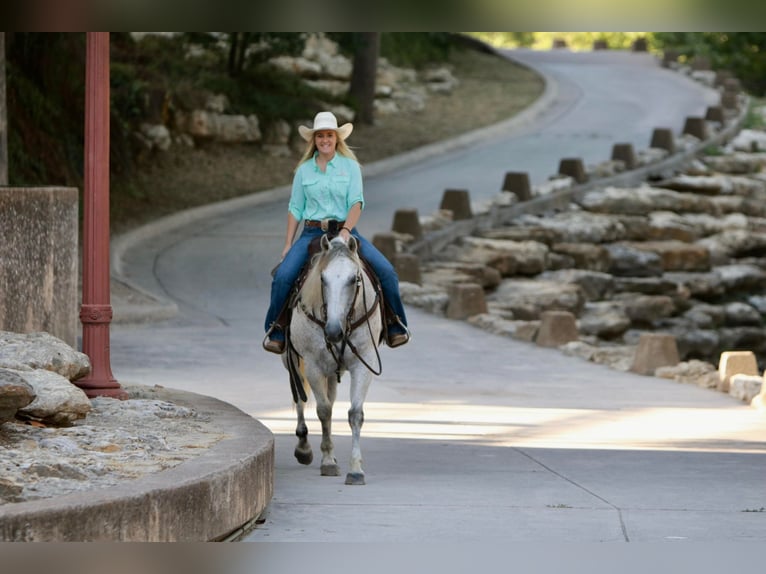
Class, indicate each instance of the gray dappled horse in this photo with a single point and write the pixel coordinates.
(335, 327)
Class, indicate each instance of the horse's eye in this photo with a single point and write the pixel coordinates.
(323, 280)
(351, 281)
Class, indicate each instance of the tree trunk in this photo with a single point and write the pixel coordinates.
(3, 117)
(233, 51)
(362, 88)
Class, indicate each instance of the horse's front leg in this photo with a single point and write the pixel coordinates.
(303, 448)
(325, 400)
(360, 383)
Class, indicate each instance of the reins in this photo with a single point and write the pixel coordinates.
(350, 327)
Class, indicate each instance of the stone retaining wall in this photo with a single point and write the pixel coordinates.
(39, 261)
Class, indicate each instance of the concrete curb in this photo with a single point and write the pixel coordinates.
(203, 499)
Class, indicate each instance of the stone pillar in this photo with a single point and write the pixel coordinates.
(721, 76)
(38, 261)
(696, 126)
(640, 45)
(735, 363)
(654, 350)
(714, 114)
(662, 138)
(96, 310)
(407, 221)
(573, 167)
(465, 300)
(458, 201)
(386, 244)
(700, 63)
(556, 328)
(729, 101)
(517, 182)
(407, 268)
(600, 45)
(625, 153)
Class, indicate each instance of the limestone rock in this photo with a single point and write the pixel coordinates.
(745, 387)
(15, 393)
(526, 299)
(42, 351)
(58, 401)
(700, 373)
(605, 319)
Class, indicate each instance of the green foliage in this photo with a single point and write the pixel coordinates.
(45, 80)
(743, 53)
(755, 120)
(574, 40)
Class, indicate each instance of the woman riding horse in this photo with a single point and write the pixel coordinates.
(327, 196)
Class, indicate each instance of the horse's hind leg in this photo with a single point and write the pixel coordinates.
(359, 386)
(303, 448)
(325, 401)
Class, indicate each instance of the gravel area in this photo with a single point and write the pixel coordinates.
(117, 441)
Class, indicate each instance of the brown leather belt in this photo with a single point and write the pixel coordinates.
(331, 225)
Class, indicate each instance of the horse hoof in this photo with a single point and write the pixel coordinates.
(329, 470)
(304, 457)
(355, 478)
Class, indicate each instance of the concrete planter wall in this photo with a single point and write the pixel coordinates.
(39, 261)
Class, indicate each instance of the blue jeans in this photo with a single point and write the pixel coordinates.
(290, 267)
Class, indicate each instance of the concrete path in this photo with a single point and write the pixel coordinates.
(468, 436)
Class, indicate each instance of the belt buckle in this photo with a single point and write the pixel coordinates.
(324, 224)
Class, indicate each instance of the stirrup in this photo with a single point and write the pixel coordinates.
(398, 339)
(273, 345)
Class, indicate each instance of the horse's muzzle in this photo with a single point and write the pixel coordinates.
(333, 332)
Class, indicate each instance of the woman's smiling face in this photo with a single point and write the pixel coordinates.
(325, 141)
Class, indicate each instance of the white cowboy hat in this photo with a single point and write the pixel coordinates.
(326, 121)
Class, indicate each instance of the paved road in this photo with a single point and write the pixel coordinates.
(467, 436)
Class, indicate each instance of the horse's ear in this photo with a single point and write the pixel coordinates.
(353, 244)
(324, 243)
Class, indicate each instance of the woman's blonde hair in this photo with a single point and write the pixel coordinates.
(340, 146)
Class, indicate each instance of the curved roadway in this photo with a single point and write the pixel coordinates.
(468, 436)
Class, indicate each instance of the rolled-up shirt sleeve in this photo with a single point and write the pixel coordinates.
(355, 187)
(297, 203)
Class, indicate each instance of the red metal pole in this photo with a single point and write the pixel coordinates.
(96, 309)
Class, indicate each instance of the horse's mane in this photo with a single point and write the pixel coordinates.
(311, 292)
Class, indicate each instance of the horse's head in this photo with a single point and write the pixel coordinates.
(341, 277)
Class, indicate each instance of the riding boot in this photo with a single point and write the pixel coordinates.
(274, 342)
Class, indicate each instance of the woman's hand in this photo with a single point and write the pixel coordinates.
(344, 233)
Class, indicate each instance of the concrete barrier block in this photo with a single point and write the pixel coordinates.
(640, 45)
(465, 300)
(701, 63)
(696, 126)
(386, 244)
(721, 76)
(556, 328)
(559, 43)
(600, 45)
(662, 138)
(735, 363)
(407, 221)
(407, 268)
(669, 57)
(458, 201)
(729, 101)
(714, 114)
(573, 167)
(732, 85)
(517, 182)
(655, 350)
(39, 261)
(625, 153)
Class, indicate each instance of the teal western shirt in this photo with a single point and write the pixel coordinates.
(329, 194)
